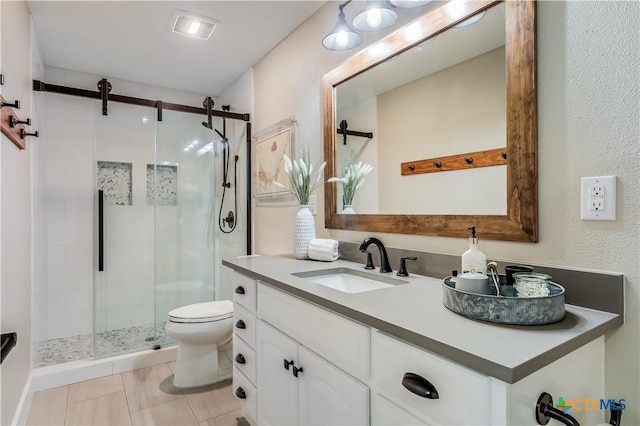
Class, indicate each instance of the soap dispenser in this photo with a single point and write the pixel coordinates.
(473, 260)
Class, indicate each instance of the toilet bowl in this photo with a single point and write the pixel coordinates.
(203, 331)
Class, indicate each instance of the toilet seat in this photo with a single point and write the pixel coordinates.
(202, 312)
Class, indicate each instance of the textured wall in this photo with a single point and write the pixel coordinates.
(588, 126)
(16, 207)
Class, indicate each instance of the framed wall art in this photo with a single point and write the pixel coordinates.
(271, 145)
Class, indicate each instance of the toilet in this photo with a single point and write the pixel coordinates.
(203, 331)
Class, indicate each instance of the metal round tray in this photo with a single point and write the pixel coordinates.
(507, 308)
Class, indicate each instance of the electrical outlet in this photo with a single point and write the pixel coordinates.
(598, 198)
(313, 205)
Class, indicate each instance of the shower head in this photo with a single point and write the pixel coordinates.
(207, 125)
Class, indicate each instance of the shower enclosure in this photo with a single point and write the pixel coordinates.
(128, 212)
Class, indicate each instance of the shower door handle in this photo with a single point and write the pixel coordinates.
(100, 230)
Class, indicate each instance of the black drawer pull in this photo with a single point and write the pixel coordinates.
(241, 394)
(287, 363)
(420, 386)
(239, 290)
(296, 370)
(240, 324)
(240, 359)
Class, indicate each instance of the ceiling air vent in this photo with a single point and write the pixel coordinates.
(192, 25)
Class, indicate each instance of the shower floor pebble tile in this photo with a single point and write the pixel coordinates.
(110, 342)
(140, 397)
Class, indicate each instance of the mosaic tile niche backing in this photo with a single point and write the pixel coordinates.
(114, 179)
(166, 178)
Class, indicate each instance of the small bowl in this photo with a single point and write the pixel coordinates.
(513, 269)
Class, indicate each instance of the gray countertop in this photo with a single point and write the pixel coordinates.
(414, 312)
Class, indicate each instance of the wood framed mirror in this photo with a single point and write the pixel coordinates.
(520, 223)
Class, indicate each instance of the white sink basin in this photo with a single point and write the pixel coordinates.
(349, 280)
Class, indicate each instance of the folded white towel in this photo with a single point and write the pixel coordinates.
(323, 249)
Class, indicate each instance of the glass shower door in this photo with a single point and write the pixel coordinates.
(181, 186)
(124, 277)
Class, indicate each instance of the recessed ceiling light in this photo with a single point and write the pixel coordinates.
(192, 25)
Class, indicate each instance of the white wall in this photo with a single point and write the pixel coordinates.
(588, 126)
(15, 223)
(239, 96)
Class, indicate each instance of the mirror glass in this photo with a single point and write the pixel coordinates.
(450, 114)
(445, 96)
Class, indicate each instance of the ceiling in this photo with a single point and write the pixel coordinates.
(132, 40)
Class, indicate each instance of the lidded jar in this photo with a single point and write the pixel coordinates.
(532, 284)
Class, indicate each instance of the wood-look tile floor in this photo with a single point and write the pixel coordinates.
(139, 397)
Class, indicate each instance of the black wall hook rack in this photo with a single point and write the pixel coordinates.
(13, 121)
(24, 134)
(344, 132)
(15, 104)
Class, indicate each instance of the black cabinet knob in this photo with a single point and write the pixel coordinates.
(296, 370)
(420, 386)
(239, 290)
(240, 393)
(287, 363)
(241, 324)
(240, 359)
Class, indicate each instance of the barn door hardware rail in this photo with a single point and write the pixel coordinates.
(469, 160)
(105, 96)
(342, 130)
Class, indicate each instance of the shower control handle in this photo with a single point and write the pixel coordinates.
(239, 290)
(240, 359)
(240, 393)
(240, 324)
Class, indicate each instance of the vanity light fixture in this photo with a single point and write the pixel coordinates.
(375, 15)
(192, 25)
(342, 36)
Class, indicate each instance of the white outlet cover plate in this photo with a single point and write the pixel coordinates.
(609, 211)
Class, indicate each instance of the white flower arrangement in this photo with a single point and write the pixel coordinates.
(303, 178)
(352, 180)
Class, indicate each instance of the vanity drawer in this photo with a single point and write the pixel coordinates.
(246, 393)
(341, 341)
(244, 291)
(385, 412)
(463, 393)
(244, 324)
(244, 358)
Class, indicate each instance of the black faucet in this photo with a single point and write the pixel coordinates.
(384, 260)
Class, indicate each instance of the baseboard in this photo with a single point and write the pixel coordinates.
(24, 405)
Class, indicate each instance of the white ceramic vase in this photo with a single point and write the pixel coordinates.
(304, 232)
(348, 209)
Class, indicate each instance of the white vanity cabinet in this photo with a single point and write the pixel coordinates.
(305, 364)
(304, 388)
